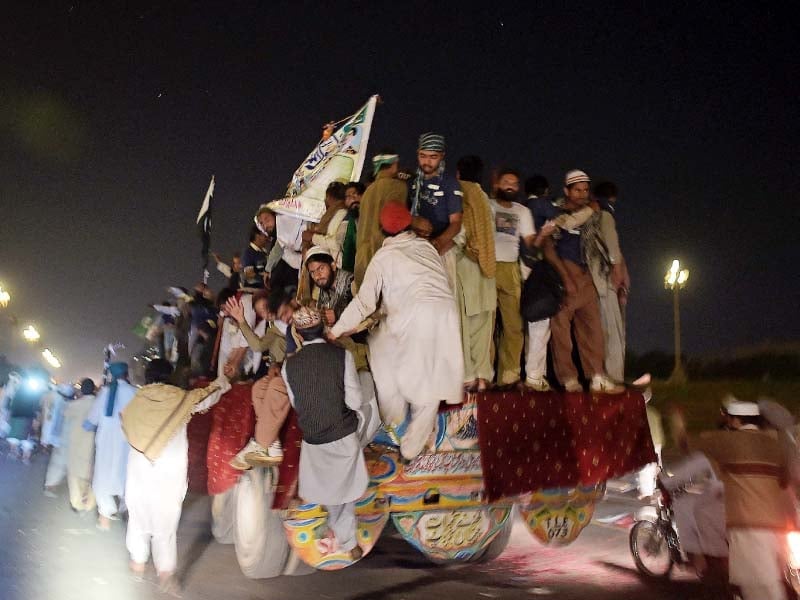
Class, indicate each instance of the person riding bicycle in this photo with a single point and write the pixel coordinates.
(698, 504)
(753, 464)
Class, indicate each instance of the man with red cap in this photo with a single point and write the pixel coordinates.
(415, 350)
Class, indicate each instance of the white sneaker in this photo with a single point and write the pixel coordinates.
(275, 449)
(602, 384)
(537, 384)
(573, 386)
(266, 456)
(238, 462)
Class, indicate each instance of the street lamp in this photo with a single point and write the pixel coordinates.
(30, 334)
(675, 280)
(5, 297)
(51, 359)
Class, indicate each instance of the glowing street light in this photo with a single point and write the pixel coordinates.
(30, 334)
(51, 359)
(5, 297)
(675, 280)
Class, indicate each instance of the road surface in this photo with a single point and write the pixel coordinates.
(51, 553)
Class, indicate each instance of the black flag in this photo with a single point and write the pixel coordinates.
(204, 224)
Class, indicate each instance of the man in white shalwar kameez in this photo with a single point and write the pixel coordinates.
(55, 436)
(323, 387)
(155, 424)
(415, 352)
(111, 447)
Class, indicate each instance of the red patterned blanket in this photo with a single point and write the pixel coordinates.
(537, 440)
(233, 423)
(216, 436)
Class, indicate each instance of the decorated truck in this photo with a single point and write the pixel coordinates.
(542, 455)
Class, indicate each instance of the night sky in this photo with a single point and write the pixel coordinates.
(113, 119)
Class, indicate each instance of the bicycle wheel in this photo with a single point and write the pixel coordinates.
(650, 549)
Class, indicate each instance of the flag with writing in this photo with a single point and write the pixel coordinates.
(338, 157)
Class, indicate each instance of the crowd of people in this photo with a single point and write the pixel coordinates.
(410, 291)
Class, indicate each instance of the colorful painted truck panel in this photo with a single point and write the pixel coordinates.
(546, 455)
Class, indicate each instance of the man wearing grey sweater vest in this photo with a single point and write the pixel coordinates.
(324, 389)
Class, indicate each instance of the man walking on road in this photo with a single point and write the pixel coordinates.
(111, 458)
(759, 505)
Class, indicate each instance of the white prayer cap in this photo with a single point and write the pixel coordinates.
(576, 176)
(317, 251)
(738, 408)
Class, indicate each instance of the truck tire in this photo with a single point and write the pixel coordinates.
(262, 549)
(499, 543)
(295, 566)
(223, 515)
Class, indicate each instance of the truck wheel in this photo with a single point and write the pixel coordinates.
(498, 545)
(296, 566)
(458, 535)
(223, 516)
(261, 546)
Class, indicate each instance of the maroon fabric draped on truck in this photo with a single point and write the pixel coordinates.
(537, 440)
(291, 437)
(233, 425)
(216, 436)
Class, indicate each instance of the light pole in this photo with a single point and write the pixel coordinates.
(675, 280)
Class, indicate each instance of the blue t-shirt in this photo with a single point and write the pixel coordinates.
(439, 198)
(568, 246)
(543, 210)
(567, 241)
(257, 258)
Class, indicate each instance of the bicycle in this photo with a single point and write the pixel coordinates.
(655, 545)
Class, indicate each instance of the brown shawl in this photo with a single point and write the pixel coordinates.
(478, 228)
(330, 212)
(156, 413)
(369, 237)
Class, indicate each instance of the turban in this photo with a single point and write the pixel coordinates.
(306, 318)
(381, 160)
(318, 251)
(431, 141)
(118, 369)
(394, 217)
(576, 176)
